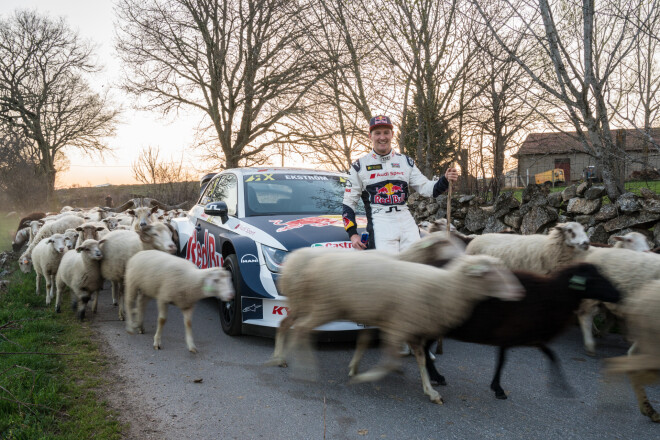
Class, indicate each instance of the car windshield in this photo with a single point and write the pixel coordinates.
(268, 194)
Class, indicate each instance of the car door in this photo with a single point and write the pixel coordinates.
(210, 229)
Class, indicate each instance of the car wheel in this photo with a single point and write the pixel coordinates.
(230, 311)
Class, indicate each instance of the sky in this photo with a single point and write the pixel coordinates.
(93, 20)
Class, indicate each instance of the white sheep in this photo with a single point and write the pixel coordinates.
(81, 272)
(46, 258)
(142, 217)
(58, 226)
(21, 237)
(566, 243)
(410, 303)
(642, 365)
(433, 249)
(119, 246)
(71, 238)
(633, 241)
(90, 230)
(628, 270)
(170, 280)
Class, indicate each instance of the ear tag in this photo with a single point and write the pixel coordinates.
(577, 283)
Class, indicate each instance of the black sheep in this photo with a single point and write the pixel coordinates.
(543, 314)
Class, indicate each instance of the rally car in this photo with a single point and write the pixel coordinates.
(247, 220)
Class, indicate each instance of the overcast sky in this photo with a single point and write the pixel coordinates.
(93, 20)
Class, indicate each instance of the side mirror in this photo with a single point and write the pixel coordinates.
(218, 209)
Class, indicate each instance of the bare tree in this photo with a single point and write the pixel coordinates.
(43, 93)
(169, 181)
(245, 64)
(634, 96)
(584, 44)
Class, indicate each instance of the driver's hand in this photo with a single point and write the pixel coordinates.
(357, 242)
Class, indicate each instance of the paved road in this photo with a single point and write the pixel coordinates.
(239, 398)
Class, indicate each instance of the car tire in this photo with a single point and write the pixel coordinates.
(230, 311)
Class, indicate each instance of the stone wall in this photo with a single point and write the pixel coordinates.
(540, 210)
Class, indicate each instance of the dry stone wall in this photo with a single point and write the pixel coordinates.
(540, 210)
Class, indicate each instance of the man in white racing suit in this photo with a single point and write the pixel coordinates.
(383, 179)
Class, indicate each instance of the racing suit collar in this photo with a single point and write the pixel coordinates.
(383, 158)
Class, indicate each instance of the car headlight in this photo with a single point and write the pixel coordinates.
(274, 258)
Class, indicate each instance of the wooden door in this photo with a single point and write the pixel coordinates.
(564, 164)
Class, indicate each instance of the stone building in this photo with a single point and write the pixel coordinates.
(545, 151)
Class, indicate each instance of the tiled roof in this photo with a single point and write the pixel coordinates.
(561, 143)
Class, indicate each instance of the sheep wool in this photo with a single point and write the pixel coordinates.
(566, 243)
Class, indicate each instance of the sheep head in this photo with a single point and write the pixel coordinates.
(58, 242)
(633, 241)
(158, 236)
(25, 263)
(574, 235)
(91, 249)
(489, 272)
(217, 283)
(70, 238)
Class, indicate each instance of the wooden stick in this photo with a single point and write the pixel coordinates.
(449, 191)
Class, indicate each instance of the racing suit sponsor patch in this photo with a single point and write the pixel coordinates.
(374, 167)
(356, 165)
(411, 162)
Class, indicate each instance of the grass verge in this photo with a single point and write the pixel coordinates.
(51, 370)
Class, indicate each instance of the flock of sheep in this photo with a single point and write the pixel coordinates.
(80, 249)
(504, 290)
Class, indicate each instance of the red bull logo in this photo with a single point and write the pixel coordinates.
(204, 255)
(390, 195)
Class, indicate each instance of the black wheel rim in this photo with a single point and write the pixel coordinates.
(228, 311)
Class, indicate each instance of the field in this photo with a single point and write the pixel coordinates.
(51, 370)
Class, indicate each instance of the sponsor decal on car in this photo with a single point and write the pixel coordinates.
(245, 228)
(335, 244)
(321, 221)
(259, 177)
(251, 308)
(280, 310)
(249, 258)
(304, 177)
(203, 255)
(347, 190)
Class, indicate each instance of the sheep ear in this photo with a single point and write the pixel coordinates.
(79, 228)
(478, 270)
(102, 241)
(79, 249)
(100, 228)
(50, 240)
(131, 212)
(618, 238)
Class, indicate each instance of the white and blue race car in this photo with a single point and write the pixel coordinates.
(247, 220)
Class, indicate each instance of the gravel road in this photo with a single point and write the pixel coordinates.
(225, 392)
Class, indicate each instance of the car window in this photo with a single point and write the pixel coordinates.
(294, 194)
(225, 189)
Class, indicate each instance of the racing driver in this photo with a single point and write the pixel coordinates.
(383, 179)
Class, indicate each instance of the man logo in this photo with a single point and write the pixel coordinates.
(249, 258)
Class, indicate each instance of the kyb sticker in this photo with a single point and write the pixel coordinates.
(249, 258)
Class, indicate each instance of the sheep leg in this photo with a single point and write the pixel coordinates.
(58, 297)
(187, 321)
(49, 286)
(83, 299)
(95, 302)
(364, 338)
(118, 300)
(140, 307)
(115, 293)
(638, 380)
(391, 363)
(433, 373)
(557, 380)
(130, 309)
(162, 317)
(421, 355)
(438, 348)
(38, 282)
(495, 384)
(305, 364)
(280, 339)
(586, 318)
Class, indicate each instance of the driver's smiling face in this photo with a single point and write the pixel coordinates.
(381, 140)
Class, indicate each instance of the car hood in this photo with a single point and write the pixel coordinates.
(296, 231)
